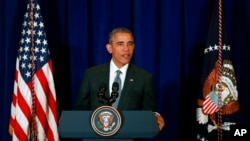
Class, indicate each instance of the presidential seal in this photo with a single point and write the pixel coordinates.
(106, 121)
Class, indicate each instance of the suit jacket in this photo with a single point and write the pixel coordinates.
(137, 92)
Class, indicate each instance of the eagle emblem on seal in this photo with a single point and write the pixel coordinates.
(229, 94)
(105, 121)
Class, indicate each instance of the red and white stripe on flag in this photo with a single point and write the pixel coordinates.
(209, 107)
(46, 111)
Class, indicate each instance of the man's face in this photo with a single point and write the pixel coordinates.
(122, 48)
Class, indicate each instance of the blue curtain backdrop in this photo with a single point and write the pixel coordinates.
(170, 36)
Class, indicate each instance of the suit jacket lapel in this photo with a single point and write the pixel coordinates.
(104, 77)
(128, 84)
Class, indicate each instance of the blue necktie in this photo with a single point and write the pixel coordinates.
(118, 80)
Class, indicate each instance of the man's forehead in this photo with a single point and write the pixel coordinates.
(123, 38)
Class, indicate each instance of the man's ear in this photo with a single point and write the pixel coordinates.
(109, 48)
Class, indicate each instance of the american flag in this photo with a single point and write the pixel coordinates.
(34, 96)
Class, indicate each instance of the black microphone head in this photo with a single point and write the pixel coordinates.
(115, 86)
(101, 93)
(114, 93)
(102, 87)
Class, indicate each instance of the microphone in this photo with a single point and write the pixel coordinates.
(101, 93)
(114, 93)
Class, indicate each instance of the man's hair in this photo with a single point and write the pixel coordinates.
(119, 30)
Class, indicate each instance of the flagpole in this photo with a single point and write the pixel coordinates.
(220, 70)
(33, 120)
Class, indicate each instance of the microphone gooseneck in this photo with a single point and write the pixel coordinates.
(108, 100)
(114, 93)
(101, 93)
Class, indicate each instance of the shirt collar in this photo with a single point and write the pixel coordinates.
(114, 68)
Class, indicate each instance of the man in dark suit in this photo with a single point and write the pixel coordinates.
(137, 92)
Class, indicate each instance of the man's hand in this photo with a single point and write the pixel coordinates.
(159, 120)
(11, 130)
